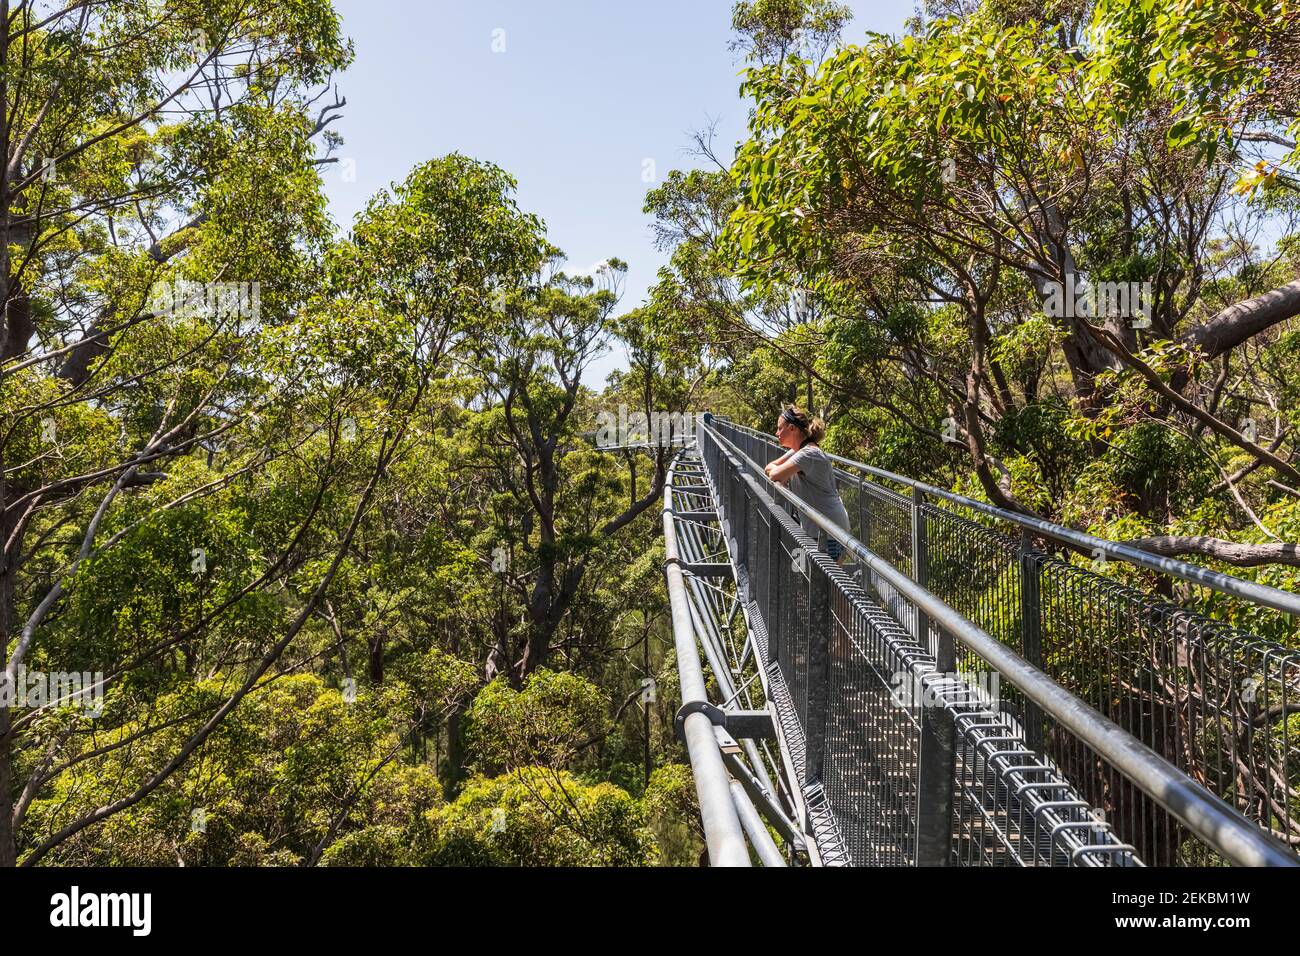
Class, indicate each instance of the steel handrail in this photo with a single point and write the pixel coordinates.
(723, 832)
(1220, 826)
(1275, 598)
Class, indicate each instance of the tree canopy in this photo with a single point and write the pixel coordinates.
(317, 506)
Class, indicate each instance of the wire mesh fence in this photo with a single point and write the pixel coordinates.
(919, 765)
(1220, 704)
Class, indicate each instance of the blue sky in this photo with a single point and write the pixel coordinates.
(583, 98)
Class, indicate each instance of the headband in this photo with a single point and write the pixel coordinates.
(794, 420)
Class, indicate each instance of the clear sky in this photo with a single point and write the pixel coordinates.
(581, 101)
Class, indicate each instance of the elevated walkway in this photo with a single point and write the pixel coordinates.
(913, 705)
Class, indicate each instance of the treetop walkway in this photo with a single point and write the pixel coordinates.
(954, 691)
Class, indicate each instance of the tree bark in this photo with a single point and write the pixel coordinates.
(1085, 356)
(1230, 552)
(8, 838)
(1238, 322)
(453, 771)
(17, 328)
(376, 669)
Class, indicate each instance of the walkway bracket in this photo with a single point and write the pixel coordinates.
(710, 570)
(742, 724)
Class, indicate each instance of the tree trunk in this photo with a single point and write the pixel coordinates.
(377, 659)
(14, 331)
(8, 838)
(498, 659)
(453, 770)
(537, 648)
(18, 325)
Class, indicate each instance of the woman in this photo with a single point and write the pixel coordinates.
(809, 472)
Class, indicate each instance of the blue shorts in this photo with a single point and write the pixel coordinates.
(834, 549)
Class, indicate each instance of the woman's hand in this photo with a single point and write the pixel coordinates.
(772, 466)
(781, 470)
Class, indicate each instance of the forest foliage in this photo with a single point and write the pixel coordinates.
(360, 587)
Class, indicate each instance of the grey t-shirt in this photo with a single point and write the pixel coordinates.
(815, 484)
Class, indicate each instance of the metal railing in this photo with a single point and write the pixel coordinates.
(740, 779)
(722, 827)
(1056, 763)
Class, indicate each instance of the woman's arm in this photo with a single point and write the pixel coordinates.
(784, 468)
(767, 469)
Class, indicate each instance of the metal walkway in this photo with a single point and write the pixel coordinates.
(947, 694)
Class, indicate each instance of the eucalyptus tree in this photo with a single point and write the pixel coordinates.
(761, 335)
(769, 31)
(958, 189)
(1229, 73)
(203, 394)
(144, 145)
(559, 501)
